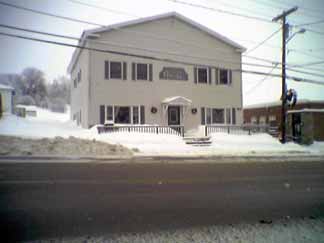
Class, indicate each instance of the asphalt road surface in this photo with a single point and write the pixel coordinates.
(45, 200)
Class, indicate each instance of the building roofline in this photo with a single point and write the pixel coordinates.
(213, 33)
(278, 103)
(6, 87)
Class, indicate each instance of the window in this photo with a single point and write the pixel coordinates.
(208, 116)
(223, 76)
(75, 83)
(218, 116)
(233, 116)
(254, 120)
(272, 120)
(135, 115)
(122, 114)
(262, 120)
(110, 113)
(202, 75)
(228, 116)
(115, 70)
(141, 71)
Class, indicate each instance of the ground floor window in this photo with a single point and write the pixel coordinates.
(218, 116)
(122, 114)
(212, 116)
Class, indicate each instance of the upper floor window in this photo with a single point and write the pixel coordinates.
(202, 75)
(115, 70)
(225, 76)
(142, 71)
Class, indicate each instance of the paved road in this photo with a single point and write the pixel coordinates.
(41, 200)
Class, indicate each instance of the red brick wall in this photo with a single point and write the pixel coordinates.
(276, 111)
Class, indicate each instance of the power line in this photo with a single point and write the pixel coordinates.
(222, 11)
(103, 8)
(261, 81)
(154, 50)
(149, 57)
(308, 64)
(129, 46)
(50, 14)
(262, 42)
(310, 23)
(142, 33)
(96, 24)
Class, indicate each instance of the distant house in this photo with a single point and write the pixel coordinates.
(270, 113)
(203, 86)
(6, 99)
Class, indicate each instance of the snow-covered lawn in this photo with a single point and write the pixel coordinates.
(49, 124)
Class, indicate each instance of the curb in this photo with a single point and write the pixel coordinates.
(163, 159)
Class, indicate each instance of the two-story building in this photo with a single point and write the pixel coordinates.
(164, 70)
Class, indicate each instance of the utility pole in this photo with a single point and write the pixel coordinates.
(285, 32)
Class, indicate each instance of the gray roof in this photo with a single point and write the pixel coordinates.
(6, 87)
(148, 19)
(278, 103)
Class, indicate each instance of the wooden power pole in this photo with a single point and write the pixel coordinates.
(285, 32)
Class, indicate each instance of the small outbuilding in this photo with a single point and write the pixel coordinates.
(306, 125)
(6, 99)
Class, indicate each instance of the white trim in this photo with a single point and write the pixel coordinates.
(95, 31)
(306, 110)
(6, 87)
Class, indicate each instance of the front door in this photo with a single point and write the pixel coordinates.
(173, 115)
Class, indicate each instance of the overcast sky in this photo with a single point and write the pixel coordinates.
(16, 54)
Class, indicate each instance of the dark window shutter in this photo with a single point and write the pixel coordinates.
(133, 71)
(124, 70)
(209, 75)
(150, 72)
(106, 69)
(195, 74)
(142, 111)
(230, 77)
(233, 116)
(216, 76)
(102, 114)
(203, 121)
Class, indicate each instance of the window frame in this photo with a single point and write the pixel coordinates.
(207, 75)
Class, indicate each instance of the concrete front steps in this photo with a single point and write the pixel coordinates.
(197, 141)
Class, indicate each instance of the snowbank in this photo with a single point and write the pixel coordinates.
(50, 124)
(292, 231)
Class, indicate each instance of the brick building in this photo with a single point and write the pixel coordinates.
(270, 113)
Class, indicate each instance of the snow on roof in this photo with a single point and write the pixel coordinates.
(306, 110)
(176, 100)
(6, 87)
(278, 103)
(92, 32)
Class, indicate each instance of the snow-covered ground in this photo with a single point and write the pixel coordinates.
(294, 231)
(49, 124)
